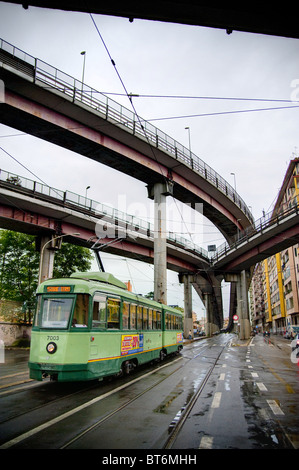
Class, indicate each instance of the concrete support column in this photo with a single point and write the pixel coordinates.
(244, 310)
(188, 320)
(242, 305)
(160, 254)
(211, 327)
(46, 262)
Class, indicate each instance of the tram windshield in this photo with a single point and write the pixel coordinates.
(56, 312)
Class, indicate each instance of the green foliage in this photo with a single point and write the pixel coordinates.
(71, 258)
(19, 265)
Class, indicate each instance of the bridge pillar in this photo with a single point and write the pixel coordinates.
(243, 306)
(46, 262)
(158, 192)
(188, 320)
(210, 327)
(242, 302)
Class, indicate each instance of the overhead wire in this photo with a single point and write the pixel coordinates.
(220, 113)
(219, 98)
(133, 106)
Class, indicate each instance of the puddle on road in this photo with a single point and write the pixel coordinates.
(162, 408)
(178, 390)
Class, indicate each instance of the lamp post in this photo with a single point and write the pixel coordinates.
(188, 129)
(43, 249)
(86, 189)
(83, 71)
(234, 181)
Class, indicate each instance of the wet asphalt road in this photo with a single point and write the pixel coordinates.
(247, 399)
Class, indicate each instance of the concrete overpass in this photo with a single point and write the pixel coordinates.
(49, 104)
(34, 208)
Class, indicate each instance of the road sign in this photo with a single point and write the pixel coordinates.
(236, 318)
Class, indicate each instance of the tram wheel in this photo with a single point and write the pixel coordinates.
(126, 367)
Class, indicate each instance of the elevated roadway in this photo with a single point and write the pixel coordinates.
(49, 104)
(269, 235)
(31, 207)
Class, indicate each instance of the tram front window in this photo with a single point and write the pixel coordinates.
(56, 312)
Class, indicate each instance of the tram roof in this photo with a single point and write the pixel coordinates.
(89, 283)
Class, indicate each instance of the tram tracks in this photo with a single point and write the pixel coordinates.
(28, 434)
(174, 428)
(180, 418)
(177, 424)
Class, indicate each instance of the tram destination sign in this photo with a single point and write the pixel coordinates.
(58, 289)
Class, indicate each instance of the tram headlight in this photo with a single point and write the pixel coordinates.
(51, 348)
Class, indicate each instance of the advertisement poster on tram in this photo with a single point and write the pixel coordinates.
(179, 337)
(131, 344)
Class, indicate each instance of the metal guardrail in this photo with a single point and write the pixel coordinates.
(92, 208)
(41, 73)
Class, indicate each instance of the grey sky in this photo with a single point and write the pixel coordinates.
(166, 59)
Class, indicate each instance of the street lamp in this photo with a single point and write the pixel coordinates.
(188, 129)
(87, 187)
(234, 181)
(83, 71)
(43, 248)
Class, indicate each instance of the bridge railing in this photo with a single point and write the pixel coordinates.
(260, 225)
(93, 208)
(59, 82)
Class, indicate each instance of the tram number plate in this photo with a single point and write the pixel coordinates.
(52, 338)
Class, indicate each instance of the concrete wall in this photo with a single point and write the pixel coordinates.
(10, 332)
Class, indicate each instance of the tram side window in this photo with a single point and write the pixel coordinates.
(159, 325)
(150, 319)
(113, 310)
(126, 315)
(145, 318)
(157, 320)
(133, 316)
(80, 317)
(99, 311)
(139, 317)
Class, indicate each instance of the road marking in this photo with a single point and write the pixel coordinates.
(216, 400)
(262, 387)
(287, 385)
(222, 376)
(254, 374)
(248, 360)
(275, 408)
(206, 442)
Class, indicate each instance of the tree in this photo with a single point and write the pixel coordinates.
(19, 265)
(71, 258)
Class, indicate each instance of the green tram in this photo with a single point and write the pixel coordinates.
(90, 326)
